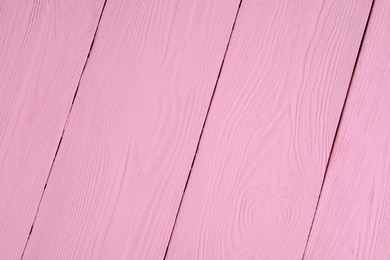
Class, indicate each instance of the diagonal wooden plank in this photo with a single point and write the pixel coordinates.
(43, 48)
(255, 182)
(352, 220)
(128, 146)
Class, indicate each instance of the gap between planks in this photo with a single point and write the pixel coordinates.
(203, 126)
(338, 126)
(63, 130)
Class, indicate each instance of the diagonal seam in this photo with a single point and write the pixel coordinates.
(201, 132)
(63, 130)
(338, 126)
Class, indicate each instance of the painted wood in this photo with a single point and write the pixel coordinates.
(43, 49)
(256, 178)
(352, 221)
(129, 143)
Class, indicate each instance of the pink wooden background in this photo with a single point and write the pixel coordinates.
(194, 129)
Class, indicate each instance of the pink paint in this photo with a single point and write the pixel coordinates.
(257, 176)
(352, 221)
(43, 48)
(129, 143)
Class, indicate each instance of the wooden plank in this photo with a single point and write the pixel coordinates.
(257, 175)
(130, 140)
(352, 221)
(43, 49)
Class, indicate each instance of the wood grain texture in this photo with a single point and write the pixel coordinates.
(353, 217)
(43, 48)
(129, 143)
(257, 175)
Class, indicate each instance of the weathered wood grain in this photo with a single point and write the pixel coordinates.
(254, 186)
(43, 49)
(353, 217)
(131, 136)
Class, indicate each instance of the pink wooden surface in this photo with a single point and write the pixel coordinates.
(116, 185)
(43, 48)
(353, 217)
(254, 186)
(132, 133)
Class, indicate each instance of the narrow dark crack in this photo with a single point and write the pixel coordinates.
(338, 126)
(63, 130)
(203, 126)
